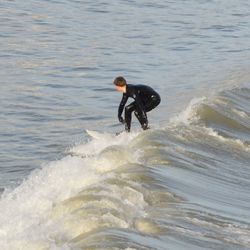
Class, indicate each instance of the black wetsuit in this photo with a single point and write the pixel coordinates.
(145, 98)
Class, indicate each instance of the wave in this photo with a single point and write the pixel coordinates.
(226, 115)
(181, 185)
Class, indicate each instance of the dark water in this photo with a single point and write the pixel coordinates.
(183, 184)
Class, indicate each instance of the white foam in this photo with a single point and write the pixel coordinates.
(96, 145)
(24, 211)
(240, 113)
(25, 221)
(189, 114)
(230, 141)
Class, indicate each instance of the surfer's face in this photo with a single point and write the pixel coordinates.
(121, 88)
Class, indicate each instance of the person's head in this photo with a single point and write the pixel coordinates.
(120, 83)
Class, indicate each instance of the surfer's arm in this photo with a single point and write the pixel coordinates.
(121, 107)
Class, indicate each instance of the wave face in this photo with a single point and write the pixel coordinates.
(184, 186)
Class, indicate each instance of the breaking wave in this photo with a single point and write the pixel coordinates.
(176, 186)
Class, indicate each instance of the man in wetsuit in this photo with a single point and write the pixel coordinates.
(145, 99)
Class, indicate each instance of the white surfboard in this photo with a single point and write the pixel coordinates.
(94, 134)
(98, 135)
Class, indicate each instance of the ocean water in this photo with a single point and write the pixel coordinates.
(183, 184)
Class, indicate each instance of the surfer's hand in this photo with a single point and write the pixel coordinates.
(121, 119)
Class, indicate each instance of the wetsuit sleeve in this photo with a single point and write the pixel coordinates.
(122, 104)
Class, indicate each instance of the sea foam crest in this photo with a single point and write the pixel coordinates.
(189, 114)
(25, 221)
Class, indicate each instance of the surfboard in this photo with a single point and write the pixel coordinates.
(94, 134)
(72, 154)
(98, 135)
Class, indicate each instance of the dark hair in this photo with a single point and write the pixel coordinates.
(120, 81)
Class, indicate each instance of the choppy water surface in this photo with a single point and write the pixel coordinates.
(181, 185)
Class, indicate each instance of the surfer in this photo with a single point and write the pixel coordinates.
(145, 99)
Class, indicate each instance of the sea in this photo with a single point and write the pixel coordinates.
(67, 182)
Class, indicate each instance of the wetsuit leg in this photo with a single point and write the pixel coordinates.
(142, 119)
(128, 115)
(152, 103)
